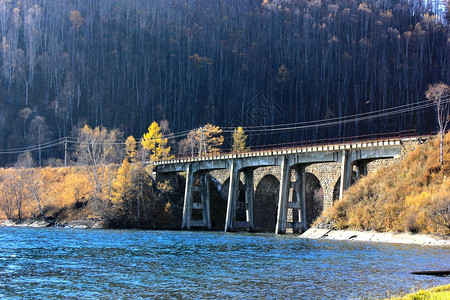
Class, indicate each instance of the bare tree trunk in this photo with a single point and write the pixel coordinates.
(33, 187)
(19, 206)
(442, 148)
(40, 155)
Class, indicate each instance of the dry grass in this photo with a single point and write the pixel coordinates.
(413, 195)
(437, 293)
(60, 190)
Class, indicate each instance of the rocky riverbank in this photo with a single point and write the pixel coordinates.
(41, 223)
(373, 236)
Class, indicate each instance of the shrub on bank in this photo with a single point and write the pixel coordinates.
(411, 195)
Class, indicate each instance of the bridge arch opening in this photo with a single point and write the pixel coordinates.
(314, 198)
(218, 206)
(240, 201)
(337, 186)
(266, 204)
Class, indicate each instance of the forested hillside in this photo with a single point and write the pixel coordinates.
(124, 63)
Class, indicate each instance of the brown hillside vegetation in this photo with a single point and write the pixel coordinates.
(412, 195)
(59, 189)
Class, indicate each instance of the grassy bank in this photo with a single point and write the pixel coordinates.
(412, 195)
(436, 293)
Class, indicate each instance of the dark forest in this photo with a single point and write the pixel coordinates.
(124, 63)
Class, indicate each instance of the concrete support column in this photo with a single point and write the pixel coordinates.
(249, 197)
(232, 197)
(283, 197)
(187, 207)
(346, 172)
(300, 189)
(206, 212)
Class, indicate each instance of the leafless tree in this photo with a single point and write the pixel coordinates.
(3, 116)
(30, 179)
(168, 134)
(440, 212)
(7, 195)
(33, 184)
(439, 93)
(40, 133)
(96, 149)
(25, 114)
(32, 32)
(189, 145)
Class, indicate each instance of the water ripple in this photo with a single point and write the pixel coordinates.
(56, 263)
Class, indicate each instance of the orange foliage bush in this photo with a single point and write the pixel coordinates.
(60, 189)
(413, 195)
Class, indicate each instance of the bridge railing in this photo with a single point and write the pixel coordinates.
(311, 143)
(337, 141)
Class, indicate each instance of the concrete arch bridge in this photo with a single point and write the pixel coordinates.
(281, 190)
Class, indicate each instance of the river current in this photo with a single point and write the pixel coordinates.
(58, 263)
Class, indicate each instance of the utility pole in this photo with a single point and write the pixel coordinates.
(201, 140)
(65, 152)
(204, 141)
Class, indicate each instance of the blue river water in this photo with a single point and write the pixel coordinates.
(58, 263)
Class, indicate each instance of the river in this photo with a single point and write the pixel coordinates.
(60, 263)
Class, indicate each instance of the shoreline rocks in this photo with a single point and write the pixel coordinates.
(372, 236)
(26, 223)
(84, 224)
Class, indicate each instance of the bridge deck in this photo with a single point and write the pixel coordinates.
(283, 151)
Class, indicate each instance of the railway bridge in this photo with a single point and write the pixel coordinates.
(281, 189)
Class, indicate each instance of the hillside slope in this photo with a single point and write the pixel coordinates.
(411, 195)
(126, 63)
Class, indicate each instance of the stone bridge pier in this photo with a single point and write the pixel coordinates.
(278, 191)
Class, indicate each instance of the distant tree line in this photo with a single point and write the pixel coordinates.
(123, 63)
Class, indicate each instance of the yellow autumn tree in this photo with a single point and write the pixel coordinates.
(74, 188)
(210, 139)
(8, 195)
(131, 149)
(239, 140)
(154, 141)
(76, 19)
(123, 183)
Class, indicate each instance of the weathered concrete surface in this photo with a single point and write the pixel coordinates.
(39, 224)
(315, 233)
(84, 224)
(8, 223)
(25, 223)
(372, 236)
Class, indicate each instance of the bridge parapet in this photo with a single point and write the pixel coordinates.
(180, 164)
